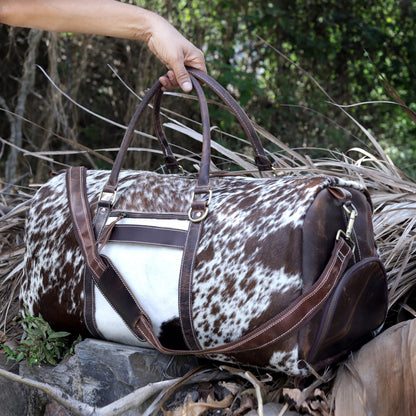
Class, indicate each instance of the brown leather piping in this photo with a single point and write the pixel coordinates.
(141, 234)
(185, 286)
(89, 305)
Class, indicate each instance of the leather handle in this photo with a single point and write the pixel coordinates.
(170, 159)
(262, 162)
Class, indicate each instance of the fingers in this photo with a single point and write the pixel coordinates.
(193, 57)
(176, 52)
(178, 75)
(168, 81)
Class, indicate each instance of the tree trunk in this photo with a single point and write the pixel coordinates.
(27, 82)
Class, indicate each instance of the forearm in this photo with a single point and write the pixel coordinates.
(110, 18)
(104, 17)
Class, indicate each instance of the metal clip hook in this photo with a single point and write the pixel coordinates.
(352, 213)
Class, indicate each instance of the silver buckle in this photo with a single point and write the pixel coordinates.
(108, 197)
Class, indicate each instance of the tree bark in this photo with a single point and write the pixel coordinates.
(27, 82)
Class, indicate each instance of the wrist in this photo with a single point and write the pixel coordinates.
(145, 23)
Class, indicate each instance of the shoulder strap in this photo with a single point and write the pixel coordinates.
(117, 293)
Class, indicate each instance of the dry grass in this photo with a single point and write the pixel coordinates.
(13, 209)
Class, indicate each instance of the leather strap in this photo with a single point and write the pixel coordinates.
(112, 285)
(105, 276)
(89, 305)
(185, 286)
(170, 160)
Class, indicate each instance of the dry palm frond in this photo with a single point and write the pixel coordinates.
(381, 378)
(13, 210)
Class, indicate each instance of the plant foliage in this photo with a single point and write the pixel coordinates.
(40, 343)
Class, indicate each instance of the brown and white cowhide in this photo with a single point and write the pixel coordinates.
(245, 269)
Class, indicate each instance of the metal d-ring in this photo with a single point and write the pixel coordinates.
(200, 216)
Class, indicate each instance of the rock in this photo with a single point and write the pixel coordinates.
(15, 398)
(55, 409)
(110, 371)
(99, 373)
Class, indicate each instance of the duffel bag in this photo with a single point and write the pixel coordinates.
(280, 273)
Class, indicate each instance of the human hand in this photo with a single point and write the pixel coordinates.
(175, 52)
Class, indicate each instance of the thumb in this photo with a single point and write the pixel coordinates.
(182, 78)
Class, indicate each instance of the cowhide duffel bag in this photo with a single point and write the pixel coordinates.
(280, 273)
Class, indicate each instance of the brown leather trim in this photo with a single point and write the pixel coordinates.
(142, 234)
(81, 218)
(150, 215)
(185, 286)
(105, 275)
(124, 302)
(121, 298)
(89, 305)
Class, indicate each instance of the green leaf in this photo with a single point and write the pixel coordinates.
(20, 356)
(60, 334)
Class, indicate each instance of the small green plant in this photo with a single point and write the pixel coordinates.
(40, 343)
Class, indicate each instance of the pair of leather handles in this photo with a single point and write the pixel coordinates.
(197, 77)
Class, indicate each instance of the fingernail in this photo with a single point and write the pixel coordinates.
(187, 86)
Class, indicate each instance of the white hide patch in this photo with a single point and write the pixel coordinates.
(287, 362)
(109, 323)
(152, 274)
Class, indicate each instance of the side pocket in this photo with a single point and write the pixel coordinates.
(353, 313)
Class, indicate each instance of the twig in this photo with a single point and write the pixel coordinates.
(64, 139)
(31, 153)
(27, 81)
(253, 380)
(132, 400)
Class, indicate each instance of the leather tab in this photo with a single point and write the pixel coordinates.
(185, 286)
(342, 194)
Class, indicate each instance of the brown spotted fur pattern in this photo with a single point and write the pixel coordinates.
(241, 276)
